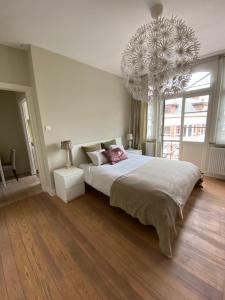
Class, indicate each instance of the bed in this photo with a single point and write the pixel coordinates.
(153, 190)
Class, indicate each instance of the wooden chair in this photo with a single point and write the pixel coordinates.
(11, 166)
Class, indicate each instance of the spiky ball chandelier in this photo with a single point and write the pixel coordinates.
(159, 58)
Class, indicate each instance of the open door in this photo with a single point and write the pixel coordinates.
(28, 136)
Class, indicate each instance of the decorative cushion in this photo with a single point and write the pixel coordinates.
(91, 148)
(117, 146)
(106, 145)
(115, 155)
(97, 157)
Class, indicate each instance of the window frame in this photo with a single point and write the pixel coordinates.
(206, 92)
(195, 93)
(184, 95)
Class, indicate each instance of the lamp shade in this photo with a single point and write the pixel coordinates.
(130, 137)
(66, 145)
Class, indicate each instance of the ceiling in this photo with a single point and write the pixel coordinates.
(96, 31)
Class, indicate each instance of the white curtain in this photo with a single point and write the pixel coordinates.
(220, 131)
(152, 117)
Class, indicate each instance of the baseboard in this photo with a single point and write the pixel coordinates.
(215, 175)
(50, 191)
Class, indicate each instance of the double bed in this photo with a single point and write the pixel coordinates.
(154, 190)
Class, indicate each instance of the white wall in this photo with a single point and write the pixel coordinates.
(79, 102)
(11, 132)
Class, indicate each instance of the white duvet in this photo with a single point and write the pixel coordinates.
(102, 177)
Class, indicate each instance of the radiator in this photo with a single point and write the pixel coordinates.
(216, 164)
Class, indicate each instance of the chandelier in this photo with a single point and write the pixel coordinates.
(159, 58)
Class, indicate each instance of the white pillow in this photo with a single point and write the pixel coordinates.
(97, 157)
(117, 146)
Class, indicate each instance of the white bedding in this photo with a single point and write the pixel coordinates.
(102, 177)
(154, 190)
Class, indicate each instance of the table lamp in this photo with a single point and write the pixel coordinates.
(67, 145)
(130, 140)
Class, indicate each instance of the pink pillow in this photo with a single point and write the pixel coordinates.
(115, 155)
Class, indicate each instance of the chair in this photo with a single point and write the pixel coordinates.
(11, 166)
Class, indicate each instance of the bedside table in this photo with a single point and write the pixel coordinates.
(134, 151)
(69, 183)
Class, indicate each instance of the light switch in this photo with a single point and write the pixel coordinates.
(48, 128)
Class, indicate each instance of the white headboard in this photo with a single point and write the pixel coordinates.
(78, 155)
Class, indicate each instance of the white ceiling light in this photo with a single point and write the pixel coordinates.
(159, 58)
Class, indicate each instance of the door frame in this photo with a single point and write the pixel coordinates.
(37, 130)
(184, 96)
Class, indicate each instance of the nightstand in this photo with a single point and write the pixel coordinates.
(134, 151)
(69, 183)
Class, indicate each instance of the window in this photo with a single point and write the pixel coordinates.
(184, 120)
(199, 80)
(167, 130)
(178, 130)
(172, 119)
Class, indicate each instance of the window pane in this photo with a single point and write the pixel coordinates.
(199, 80)
(195, 118)
(196, 104)
(171, 150)
(172, 119)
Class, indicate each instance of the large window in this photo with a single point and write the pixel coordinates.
(185, 118)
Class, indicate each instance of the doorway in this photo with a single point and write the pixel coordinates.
(25, 117)
(185, 128)
(37, 130)
(19, 167)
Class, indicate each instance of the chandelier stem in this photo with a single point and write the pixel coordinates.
(156, 10)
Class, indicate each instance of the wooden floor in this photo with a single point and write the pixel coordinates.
(15, 190)
(89, 250)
